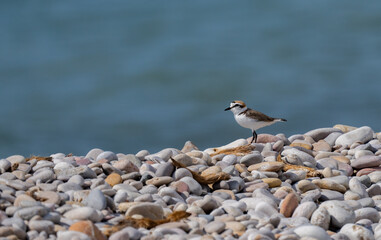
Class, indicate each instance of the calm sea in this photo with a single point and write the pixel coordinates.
(131, 75)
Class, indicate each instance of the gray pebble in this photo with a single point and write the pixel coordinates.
(164, 169)
(251, 159)
(215, 227)
(95, 200)
(4, 165)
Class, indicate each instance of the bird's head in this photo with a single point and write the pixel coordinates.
(237, 107)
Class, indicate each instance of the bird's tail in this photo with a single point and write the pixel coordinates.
(280, 120)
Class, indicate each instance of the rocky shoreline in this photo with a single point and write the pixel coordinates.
(324, 184)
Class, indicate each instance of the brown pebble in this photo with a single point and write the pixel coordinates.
(88, 228)
(289, 204)
(114, 179)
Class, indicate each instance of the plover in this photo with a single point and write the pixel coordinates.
(249, 118)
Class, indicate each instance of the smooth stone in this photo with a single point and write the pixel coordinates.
(208, 204)
(326, 195)
(253, 187)
(22, 197)
(266, 138)
(266, 166)
(340, 179)
(295, 175)
(16, 184)
(367, 213)
(48, 197)
(306, 185)
(126, 233)
(107, 155)
(43, 176)
(168, 191)
(188, 147)
(65, 170)
(292, 222)
(84, 213)
(340, 158)
(301, 143)
(184, 159)
(29, 212)
(251, 159)
(215, 227)
(96, 200)
(164, 169)
(321, 133)
(362, 134)
(181, 172)
(231, 170)
(16, 159)
(361, 153)
(305, 209)
(312, 231)
(211, 171)
(113, 179)
(234, 144)
(147, 210)
(164, 155)
(144, 198)
(77, 179)
(142, 154)
(327, 172)
(120, 196)
(272, 182)
(374, 190)
(64, 187)
(354, 231)
(278, 145)
(134, 159)
(345, 168)
(331, 138)
(41, 225)
(356, 186)
(329, 184)
(193, 185)
(232, 211)
(88, 228)
(230, 159)
(125, 165)
(320, 217)
(367, 161)
(94, 153)
(341, 213)
(327, 162)
(159, 181)
(345, 128)
(321, 145)
(68, 235)
(264, 209)
(5, 165)
(288, 205)
(180, 187)
(303, 156)
(375, 177)
(235, 204)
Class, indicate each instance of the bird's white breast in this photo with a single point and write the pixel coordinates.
(250, 123)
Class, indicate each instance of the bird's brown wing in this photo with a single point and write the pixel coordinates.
(257, 115)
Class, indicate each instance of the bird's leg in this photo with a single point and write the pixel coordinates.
(254, 137)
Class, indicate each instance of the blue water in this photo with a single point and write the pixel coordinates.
(131, 75)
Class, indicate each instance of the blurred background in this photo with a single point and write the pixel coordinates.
(131, 75)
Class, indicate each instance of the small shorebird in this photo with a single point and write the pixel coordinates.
(249, 118)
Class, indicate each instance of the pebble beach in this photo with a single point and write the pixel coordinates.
(318, 185)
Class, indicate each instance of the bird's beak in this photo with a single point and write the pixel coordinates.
(226, 109)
